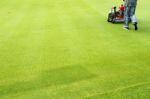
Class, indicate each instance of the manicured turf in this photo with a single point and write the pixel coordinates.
(65, 49)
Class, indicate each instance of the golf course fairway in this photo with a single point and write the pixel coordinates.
(66, 49)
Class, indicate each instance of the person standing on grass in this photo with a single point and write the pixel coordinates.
(129, 13)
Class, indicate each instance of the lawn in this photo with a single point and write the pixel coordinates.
(65, 49)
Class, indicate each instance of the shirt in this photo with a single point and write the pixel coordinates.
(130, 2)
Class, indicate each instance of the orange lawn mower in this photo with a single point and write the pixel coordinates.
(115, 16)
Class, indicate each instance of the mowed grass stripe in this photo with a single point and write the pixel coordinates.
(73, 39)
(21, 44)
(9, 11)
(6, 17)
(75, 13)
(31, 45)
(16, 17)
(14, 46)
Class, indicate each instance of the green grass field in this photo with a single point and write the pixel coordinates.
(65, 49)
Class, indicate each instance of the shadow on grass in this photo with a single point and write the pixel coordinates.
(49, 78)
